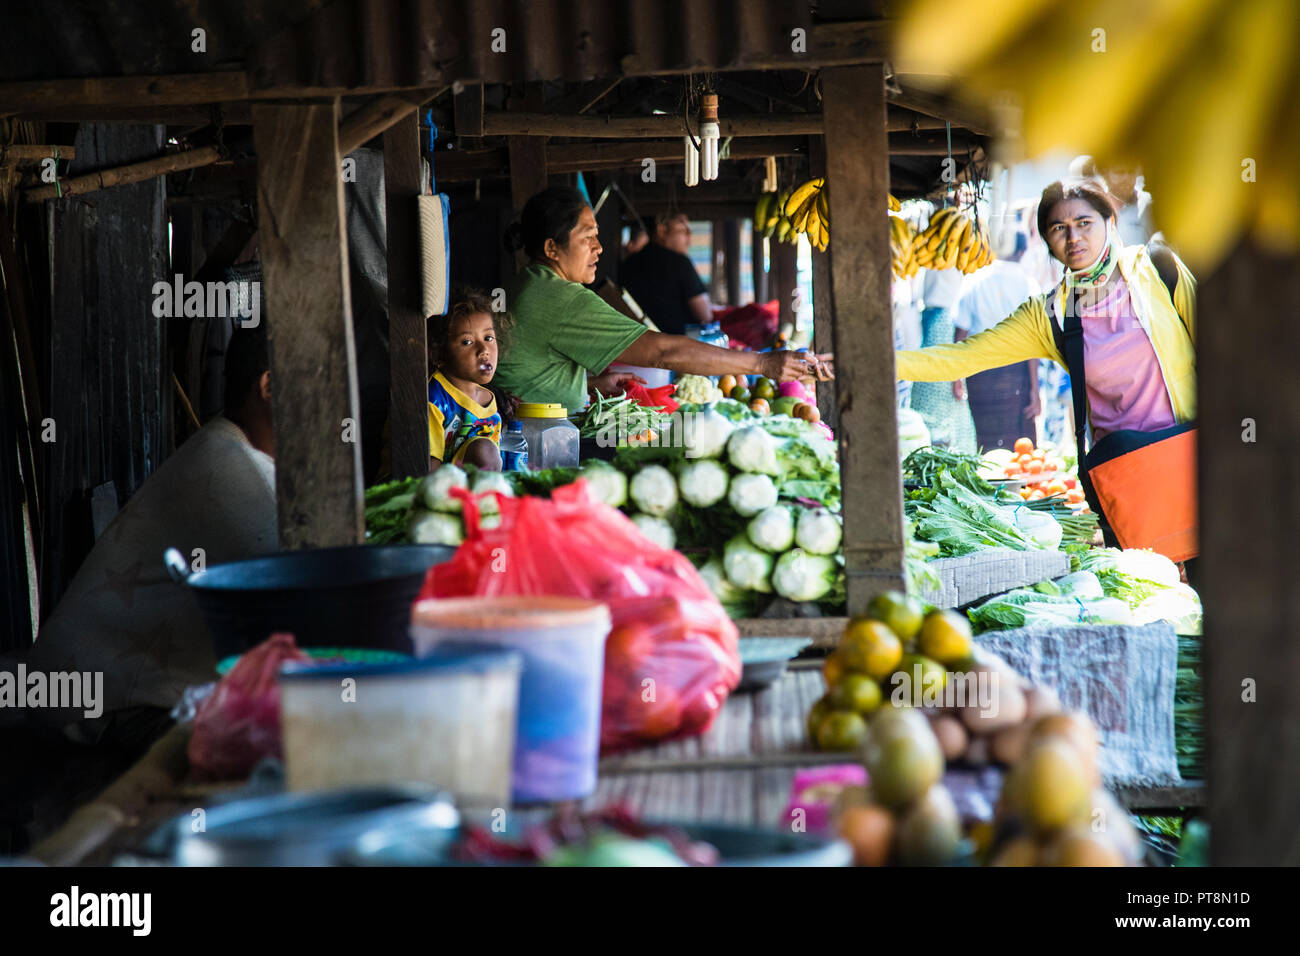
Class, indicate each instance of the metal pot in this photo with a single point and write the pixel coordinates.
(307, 829)
(356, 596)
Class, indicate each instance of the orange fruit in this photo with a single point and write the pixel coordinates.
(1036, 494)
(1056, 487)
(1025, 493)
(1035, 467)
(760, 406)
(1038, 454)
(1053, 464)
(726, 383)
(1023, 446)
(1012, 469)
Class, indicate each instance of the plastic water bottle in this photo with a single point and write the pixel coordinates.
(514, 448)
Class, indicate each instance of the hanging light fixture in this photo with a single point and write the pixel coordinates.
(709, 136)
(692, 161)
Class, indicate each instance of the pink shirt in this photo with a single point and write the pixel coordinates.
(1125, 387)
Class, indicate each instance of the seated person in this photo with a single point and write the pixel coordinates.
(122, 615)
(663, 280)
(464, 423)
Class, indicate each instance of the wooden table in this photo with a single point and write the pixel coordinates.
(740, 772)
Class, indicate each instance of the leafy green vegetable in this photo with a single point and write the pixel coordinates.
(387, 506)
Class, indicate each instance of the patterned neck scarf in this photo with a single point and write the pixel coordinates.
(1099, 273)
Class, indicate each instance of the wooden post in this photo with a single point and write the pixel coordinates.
(1249, 429)
(717, 261)
(315, 404)
(759, 271)
(731, 258)
(857, 169)
(527, 164)
(823, 302)
(783, 278)
(407, 346)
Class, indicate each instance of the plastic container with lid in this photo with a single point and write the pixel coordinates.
(557, 739)
(447, 720)
(552, 439)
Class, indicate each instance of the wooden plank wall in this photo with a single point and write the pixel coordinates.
(105, 350)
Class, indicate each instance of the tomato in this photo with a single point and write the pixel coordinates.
(627, 646)
(1012, 469)
(1025, 493)
(1038, 454)
(1035, 467)
(760, 406)
(1053, 464)
(1023, 446)
(659, 717)
(1036, 494)
(1070, 481)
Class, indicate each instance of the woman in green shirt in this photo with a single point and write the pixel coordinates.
(565, 335)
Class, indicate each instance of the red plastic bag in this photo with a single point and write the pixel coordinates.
(239, 722)
(672, 655)
(660, 398)
(752, 325)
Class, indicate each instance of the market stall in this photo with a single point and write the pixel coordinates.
(749, 510)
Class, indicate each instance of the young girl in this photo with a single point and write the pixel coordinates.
(464, 421)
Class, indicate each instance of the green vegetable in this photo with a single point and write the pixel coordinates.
(436, 527)
(434, 491)
(653, 490)
(656, 530)
(750, 494)
(746, 566)
(818, 531)
(703, 483)
(751, 449)
(800, 576)
(387, 507)
(772, 529)
(606, 483)
(611, 421)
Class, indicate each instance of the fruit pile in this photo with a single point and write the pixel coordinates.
(1044, 476)
(1053, 810)
(906, 815)
(784, 215)
(952, 240)
(878, 658)
(765, 397)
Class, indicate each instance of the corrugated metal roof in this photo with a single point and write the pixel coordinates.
(82, 38)
(394, 43)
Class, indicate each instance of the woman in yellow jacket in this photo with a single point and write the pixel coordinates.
(1137, 309)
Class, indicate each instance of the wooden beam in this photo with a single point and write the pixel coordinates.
(12, 155)
(645, 127)
(857, 164)
(823, 302)
(1249, 429)
(463, 165)
(162, 91)
(121, 175)
(315, 404)
(233, 113)
(133, 91)
(407, 345)
(373, 118)
(939, 107)
(527, 153)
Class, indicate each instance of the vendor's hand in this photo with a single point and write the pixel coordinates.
(613, 383)
(1034, 408)
(787, 366)
(959, 390)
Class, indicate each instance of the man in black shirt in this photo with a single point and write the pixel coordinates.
(662, 279)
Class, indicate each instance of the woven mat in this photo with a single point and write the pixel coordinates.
(1122, 676)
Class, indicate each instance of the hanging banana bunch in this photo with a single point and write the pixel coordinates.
(952, 240)
(808, 212)
(894, 204)
(901, 252)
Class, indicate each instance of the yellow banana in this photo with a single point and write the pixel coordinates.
(800, 216)
(894, 204)
(802, 193)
